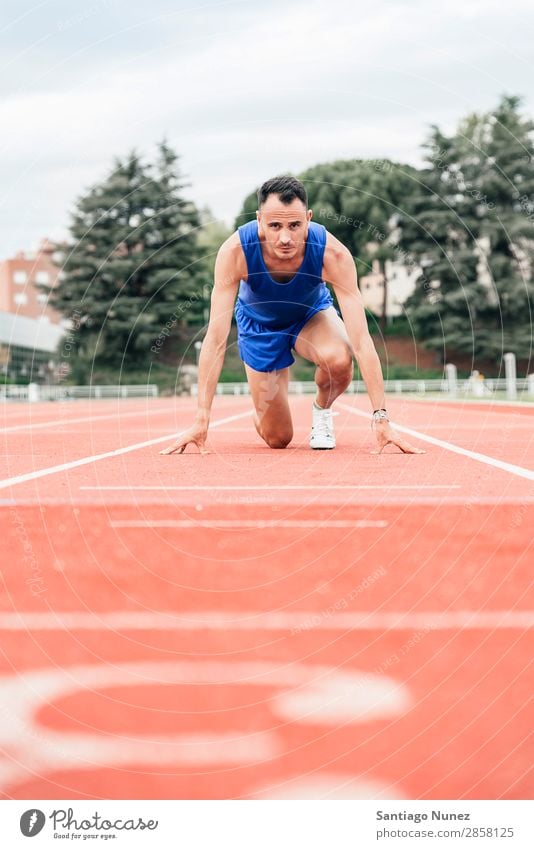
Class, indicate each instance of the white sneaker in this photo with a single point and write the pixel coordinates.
(322, 432)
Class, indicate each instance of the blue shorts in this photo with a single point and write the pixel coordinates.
(266, 349)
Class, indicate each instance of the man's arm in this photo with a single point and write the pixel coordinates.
(228, 272)
(226, 281)
(340, 271)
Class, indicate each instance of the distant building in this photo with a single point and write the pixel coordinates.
(30, 329)
(372, 289)
(19, 279)
(400, 285)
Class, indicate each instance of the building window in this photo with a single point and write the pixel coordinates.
(42, 277)
(19, 277)
(42, 298)
(20, 298)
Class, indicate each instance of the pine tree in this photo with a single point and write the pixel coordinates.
(359, 201)
(471, 229)
(131, 267)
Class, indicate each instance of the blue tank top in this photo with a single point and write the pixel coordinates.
(281, 304)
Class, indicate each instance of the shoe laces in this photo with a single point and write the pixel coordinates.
(323, 422)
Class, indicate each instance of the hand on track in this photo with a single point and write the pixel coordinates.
(386, 435)
(196, 435)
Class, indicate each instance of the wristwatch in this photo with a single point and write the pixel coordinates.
(380, 415)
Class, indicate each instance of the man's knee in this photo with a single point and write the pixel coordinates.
(338, 364)
(278, 439)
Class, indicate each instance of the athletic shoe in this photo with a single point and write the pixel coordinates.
(322, 432)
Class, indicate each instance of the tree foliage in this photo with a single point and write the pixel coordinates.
(132, 266)
(470, 226)
(361, 202)
(358, 200)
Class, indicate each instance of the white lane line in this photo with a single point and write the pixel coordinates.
(257, 524)
(298, 620)
(55, 422)
(460, 427)
(269, 488)
(84, 461)
(520, 471)
(459, 401)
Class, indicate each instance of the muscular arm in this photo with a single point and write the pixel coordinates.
(226, 280)
(228, 272)
(340, 271)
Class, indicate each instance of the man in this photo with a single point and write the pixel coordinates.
(279, 263)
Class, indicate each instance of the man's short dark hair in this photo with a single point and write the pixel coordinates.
(286, 187)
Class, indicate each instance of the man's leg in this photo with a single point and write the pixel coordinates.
(324, 341)
(269, 390)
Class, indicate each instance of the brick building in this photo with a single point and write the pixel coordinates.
(30, 328)
(18, 278)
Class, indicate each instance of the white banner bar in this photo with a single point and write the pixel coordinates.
(313, 824)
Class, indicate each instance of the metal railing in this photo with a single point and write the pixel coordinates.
(463, 388)
(485, 388)
(37, 392)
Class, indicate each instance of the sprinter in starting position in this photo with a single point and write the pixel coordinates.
(279, 264)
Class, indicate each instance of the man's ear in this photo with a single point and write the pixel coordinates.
(258, 219)
(310, 214)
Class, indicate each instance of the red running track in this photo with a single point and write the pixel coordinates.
(259, 623)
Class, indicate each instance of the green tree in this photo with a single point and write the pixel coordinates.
(131, 266)
(470, 226)
(360, 202)
(212, 234)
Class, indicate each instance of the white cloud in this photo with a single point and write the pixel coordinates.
(242, 91)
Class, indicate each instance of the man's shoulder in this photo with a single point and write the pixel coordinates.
(231, 255)
(334, 249)
(231, 247)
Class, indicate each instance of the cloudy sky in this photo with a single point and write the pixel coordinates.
(242, 89)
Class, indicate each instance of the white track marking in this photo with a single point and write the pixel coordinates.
(257, 524)
(327, 785)
(298, 620)
(487, 402)
(55, 422)
(84, 461)
(473, 427)
(520, 471)
(277, 487)
(292, 691)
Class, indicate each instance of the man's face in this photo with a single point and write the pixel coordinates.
(284, 226)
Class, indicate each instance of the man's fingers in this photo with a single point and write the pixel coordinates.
(179, 447)
(172, 448)
(407, 448)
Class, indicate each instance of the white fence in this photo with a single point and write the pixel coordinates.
(485, 388)
(462, 388)
(36, 392)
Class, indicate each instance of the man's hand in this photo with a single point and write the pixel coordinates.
(196, 434)
(386, 435)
